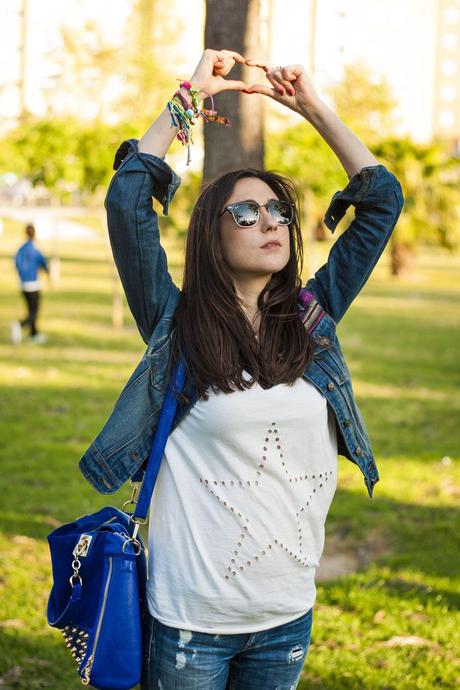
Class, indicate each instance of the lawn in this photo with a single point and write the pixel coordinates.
(393, 624)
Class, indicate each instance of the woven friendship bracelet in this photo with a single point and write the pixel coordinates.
(183, 114)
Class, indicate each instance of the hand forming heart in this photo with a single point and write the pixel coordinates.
(290, 85)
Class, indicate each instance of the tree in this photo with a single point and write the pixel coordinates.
(73, 160)
(430, 179)
(127, 83)
(429, 175)
(149, 50)
(87, 68)
(234, 25)
(364, 102)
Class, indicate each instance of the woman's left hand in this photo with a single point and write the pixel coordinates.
(290, 86)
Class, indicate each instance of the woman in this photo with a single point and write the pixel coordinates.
(250, 466)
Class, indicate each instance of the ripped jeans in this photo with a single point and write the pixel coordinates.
(188, 660)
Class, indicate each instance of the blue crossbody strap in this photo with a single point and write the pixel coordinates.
(168, 411)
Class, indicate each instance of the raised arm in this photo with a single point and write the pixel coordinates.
(374, 191)
(134, 235)
(142, 173)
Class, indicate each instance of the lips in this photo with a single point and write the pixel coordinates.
(272, 243)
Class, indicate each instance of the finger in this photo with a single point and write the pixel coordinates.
(273, 75)
(263, 89)
(219, 59)
(277, 82)
(232, 54)
(234, 85)
(288, 73)
(280, 75)
(226, 61)
(255, 62)
(284, 75)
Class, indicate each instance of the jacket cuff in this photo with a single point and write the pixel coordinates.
(167, 181)
(362, 184)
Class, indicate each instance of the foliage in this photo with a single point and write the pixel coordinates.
(116, 83)
(429, 175)
(71, 158)
(364, 102)
(303, 155)
(149, 50)
(430, 178)
(87, 74)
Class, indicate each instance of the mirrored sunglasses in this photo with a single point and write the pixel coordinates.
(247, 213)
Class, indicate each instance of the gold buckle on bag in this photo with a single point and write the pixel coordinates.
(134, 495)
(137, 521)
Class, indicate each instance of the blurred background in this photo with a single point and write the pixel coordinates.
(80, 77)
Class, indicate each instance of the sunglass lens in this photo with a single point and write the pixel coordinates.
(246, 214)
(281, 212)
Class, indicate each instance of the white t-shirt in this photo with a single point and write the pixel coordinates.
(237, 516)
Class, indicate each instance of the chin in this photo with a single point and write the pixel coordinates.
(276, 264)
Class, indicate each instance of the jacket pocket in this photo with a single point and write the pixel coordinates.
(333, 363)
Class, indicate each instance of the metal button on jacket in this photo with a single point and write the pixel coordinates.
(330, 386)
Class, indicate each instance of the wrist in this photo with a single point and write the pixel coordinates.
(196, 84)
(314, 110)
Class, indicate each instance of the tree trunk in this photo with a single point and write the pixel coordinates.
(402, 257)
(234, 25)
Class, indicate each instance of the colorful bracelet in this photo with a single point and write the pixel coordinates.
(183, 113)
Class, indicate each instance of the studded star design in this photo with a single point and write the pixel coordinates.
(221, 489)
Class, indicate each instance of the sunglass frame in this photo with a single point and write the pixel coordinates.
(231, 208)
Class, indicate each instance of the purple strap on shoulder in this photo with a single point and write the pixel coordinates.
(313, 312)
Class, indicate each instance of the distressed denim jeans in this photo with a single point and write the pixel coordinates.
(188, 660)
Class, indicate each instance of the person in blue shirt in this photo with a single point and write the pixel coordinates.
(28, 261)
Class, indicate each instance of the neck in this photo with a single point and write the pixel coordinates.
(248, 293)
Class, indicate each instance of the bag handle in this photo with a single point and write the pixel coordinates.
(168, 411)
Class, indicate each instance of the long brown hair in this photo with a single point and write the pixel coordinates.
(211, 328)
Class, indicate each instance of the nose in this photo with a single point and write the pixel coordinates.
(267, 220)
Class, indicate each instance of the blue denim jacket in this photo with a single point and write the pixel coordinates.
(120, 449)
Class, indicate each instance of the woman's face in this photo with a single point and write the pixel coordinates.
(243, 247)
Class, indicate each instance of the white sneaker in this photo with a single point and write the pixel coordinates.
(16, 332)
(39, 338)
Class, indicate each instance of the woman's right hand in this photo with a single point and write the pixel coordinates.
(212, 68)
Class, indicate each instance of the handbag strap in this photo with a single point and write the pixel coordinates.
(168, 411)
(312, 315)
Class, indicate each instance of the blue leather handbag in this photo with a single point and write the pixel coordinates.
(99, 575)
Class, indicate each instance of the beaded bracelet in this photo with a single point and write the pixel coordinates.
(183, 113)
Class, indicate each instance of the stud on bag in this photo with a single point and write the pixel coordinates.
(99, 575)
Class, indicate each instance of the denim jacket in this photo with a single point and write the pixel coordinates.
(120, 449)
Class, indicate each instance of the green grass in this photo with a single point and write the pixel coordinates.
(393, 624)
